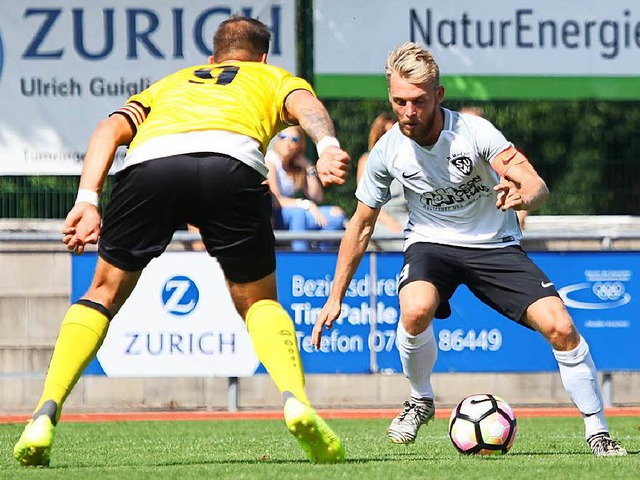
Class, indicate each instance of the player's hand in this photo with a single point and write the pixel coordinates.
(82, 226)
(508, 195)
(332, 166)
(327, 316)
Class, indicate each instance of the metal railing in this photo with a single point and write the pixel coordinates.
(545, 229)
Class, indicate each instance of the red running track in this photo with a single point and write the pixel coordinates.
(346, 413)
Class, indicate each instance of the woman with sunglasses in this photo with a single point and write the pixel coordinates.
(294, 183)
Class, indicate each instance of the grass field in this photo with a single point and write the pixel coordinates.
(546, 448)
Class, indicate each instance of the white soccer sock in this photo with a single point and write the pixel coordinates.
(418, 356)
(580, 380)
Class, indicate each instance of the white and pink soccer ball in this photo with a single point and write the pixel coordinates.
(482, 424)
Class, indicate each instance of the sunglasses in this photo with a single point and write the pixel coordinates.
(293, 138)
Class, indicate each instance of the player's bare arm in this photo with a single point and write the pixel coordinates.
(352, 247)
(310, 113)
(303, 107)
(82, 225)
(520, 187)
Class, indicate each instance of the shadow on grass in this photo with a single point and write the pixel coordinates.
(364, 460)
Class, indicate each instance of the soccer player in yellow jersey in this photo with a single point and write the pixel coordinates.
(196, 141)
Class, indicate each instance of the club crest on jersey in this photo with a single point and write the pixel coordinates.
(463, 164)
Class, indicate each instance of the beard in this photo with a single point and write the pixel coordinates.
(420, 132)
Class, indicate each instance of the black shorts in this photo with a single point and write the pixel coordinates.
(504, 278)
(226, 199)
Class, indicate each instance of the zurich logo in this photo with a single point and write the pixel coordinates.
(180, 295)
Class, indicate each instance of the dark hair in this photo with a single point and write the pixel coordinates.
(241, 38)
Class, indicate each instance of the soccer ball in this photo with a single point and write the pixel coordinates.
(482, 424)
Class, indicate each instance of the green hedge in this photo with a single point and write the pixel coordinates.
(40, 196)
(587, 151)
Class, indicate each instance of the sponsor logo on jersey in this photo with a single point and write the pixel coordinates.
(463, 164)
(410, 175)
(454, 198)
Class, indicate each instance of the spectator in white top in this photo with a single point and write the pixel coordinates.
(294, 183)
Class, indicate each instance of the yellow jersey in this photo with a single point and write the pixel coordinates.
(245, 99)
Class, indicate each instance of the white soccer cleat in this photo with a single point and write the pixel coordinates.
(602, 445)
(404, 428)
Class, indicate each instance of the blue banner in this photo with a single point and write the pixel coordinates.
(304, 283)
(597, 287)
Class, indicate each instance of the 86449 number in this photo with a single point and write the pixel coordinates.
(459, 340)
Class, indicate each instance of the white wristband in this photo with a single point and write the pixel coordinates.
(89, 196)
(326, 142)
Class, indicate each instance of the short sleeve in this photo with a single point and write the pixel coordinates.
(290, 84)
(488, 139)
(373, 188)
(144, 98)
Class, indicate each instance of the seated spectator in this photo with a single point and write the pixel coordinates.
(294, 183)
(393, 216)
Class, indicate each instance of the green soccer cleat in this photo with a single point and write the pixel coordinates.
(317, 439)
(33, 449)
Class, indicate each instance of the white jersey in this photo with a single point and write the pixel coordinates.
(448, 186)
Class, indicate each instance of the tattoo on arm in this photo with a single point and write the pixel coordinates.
(314, 119)
(317, 123)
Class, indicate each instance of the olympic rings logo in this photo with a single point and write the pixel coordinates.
(608, 290)
(610, 294)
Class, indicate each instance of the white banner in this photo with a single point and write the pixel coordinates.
(67, 64)
(179, 322)
(494, 37)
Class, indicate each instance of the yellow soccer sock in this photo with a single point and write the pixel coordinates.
(82, 331)
(274, 340)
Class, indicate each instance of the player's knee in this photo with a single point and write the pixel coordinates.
(562, 334)
(416, 317)
(550, 317)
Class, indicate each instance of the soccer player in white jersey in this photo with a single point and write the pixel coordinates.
(463, 182)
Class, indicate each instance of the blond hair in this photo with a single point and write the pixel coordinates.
(413, 63)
